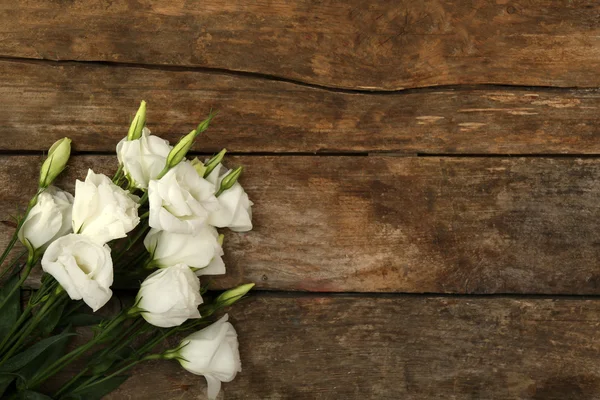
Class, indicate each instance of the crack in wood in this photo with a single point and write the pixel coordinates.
(275, 78)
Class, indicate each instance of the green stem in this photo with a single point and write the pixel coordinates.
(10, 245)
(155, 342)
(119, 371)
(28, 267)
(13, 263)
(34, 300)
(142, 231)
(11, 335)
(117, 176)
(124, 340)
(144, 198)
(54, 300)
(15, 235)
(17, 330)
(65, 360)
(48, 285)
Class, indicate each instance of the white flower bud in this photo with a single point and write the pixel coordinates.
(55, 163)
(138, 123)
(232, 295)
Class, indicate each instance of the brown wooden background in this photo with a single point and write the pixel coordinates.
(426, 178)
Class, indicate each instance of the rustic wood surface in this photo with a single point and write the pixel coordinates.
(400, 224)
(356, 347)
(310, 93)
(354, 44)
(93, 104)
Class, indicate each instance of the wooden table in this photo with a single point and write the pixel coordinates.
(426, 178)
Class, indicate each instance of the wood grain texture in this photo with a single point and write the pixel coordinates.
(354, 44)
(93, 105)
(341, 347)
(397, 224)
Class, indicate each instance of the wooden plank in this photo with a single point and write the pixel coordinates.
(94, 104)
(397, 224)
(400, 348)
(351, 44)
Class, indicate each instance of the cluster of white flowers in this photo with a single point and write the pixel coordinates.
(183, 241)
(74, 232)
(187, 201)
(184, 211)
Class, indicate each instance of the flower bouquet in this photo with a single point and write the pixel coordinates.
(155, 221)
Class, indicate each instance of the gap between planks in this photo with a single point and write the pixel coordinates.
(293, 294)
(19, 153)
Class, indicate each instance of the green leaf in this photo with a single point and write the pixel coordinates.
(96, 392)
(5, 381)
(51, 319)
(11, 310)
(31, 395)
(22, 359)
(45, 359)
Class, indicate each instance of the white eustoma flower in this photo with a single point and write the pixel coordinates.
(181, 201)
(235, 210)
(212, 352)
(102, 210)
(216, 266)
(170, 296)
(143, 159)
(49, 219)
(82, 267)
(195, 250)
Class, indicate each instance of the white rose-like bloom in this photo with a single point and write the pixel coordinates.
(216, 266)
(181, 201)
(49, 219)
(144, 158)
(170, 296)
(102, 210)
(195, 250)
(82, 267)
(212, 352)
(235, 212)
